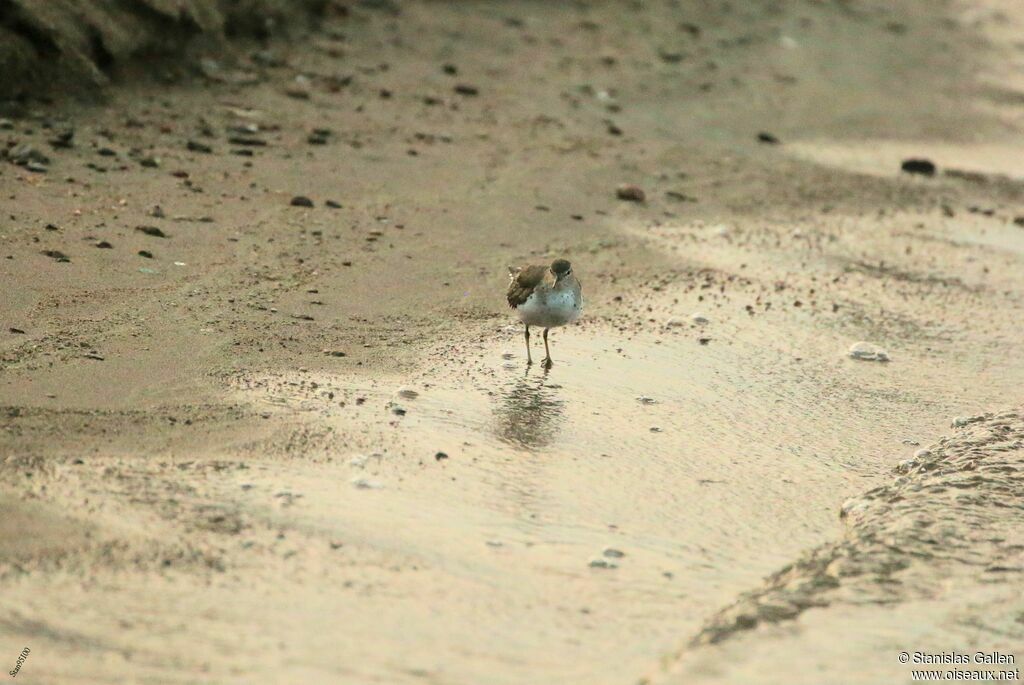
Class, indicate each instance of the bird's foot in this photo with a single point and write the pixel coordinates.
(548, 363)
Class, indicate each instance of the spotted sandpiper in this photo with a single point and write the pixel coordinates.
(547, 296)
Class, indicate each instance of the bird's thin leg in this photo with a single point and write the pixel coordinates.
(529, 359)
(547, 352)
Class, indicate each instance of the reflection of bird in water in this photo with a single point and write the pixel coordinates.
(529, 412)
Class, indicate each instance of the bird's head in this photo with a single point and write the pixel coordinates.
(561, 268)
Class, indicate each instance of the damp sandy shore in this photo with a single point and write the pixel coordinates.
(300, 444)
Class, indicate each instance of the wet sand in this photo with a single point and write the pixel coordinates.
(301, 443)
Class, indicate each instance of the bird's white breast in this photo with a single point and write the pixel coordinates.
(550, 308)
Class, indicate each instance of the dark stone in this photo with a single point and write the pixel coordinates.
(249, 141)
(925, 167)
(386, 6)
(465, 89)
(57, 254)
(196, 146)
(63, 139)
(630, 193)
(151, 231)
(146, 253)
(768, 138)
(301, 201)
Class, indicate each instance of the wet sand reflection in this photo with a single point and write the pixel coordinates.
(529, 412)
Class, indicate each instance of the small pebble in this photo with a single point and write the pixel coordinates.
(601, 562)
(151, 231)
(868, 352)
(630, 193)
(924, 167)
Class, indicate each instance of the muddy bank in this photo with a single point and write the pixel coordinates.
(945, 535)
(70, 47)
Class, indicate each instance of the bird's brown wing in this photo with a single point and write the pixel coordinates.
(523, 283)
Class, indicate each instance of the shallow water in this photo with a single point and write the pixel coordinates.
(707, 477)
